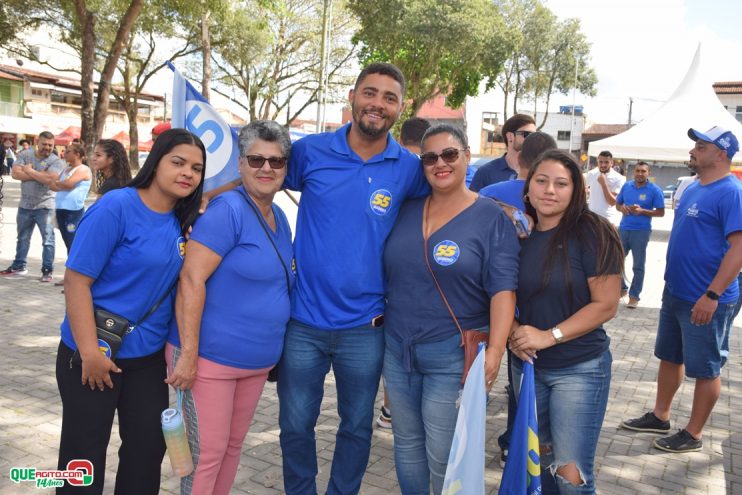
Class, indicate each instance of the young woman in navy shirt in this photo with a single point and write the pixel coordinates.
(127, 253)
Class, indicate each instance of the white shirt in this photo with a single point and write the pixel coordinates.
(597, 202)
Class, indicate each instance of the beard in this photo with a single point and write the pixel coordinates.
(371, 130)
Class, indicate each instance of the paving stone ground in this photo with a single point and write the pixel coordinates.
(30, 409)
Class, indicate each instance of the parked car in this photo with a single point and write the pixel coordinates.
(142, 158)
(669, 190)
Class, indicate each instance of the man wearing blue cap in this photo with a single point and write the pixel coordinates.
(704, 256)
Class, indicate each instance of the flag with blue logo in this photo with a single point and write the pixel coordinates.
(522, 475)
(465, 470)
(191, 111)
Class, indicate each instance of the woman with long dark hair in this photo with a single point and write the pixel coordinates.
(569, 285)
(111, 165)
(127, 254)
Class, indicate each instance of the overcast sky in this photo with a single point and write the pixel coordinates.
(642, 49)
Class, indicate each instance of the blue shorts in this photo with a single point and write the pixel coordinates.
(703, 349)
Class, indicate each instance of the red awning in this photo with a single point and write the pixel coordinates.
(65, 137)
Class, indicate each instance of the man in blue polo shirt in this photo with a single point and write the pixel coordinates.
(514, 131)
(353, 182)
(639, 201)
(704, 256)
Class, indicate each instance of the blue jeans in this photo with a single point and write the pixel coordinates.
(356, 356)
(25, 220)
(67, 220)
(635, 241)
(424, 410)
(571, 405)
(703, 349)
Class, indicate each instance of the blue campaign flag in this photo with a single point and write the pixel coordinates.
(465, 470)
(522, 475)
(191, 111)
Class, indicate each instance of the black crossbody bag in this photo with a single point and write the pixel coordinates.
(273, 373)
(112, 328)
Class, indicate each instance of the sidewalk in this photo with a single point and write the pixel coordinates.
(30, 410)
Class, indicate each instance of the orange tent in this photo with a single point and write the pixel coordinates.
(65, 137)
(123, 138)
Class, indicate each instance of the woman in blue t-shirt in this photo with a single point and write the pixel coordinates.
(232, 308)
(568, 286)
(472, 248)
(72, 188)
(127, 253)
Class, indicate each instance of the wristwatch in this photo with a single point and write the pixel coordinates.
(712, 295)
(557, 334)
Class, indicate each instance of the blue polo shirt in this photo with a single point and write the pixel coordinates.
(706, 216)
(648, 197)
(348, 208)
(491, 173)
(509, 191)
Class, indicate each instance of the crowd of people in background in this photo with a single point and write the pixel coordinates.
(393, 256)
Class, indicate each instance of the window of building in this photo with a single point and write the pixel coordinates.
(489, 123)
(564, 135)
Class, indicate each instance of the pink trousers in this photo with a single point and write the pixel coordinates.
(218, 411)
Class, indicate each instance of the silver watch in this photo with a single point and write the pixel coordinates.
(558, 335)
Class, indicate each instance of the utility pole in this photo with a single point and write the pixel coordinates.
(574, 101)
(631, 107)
(323, 56)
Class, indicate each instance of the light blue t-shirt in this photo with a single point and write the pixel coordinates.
(347, 210)
(706, 216)
(247, 301)
(134, 254)
(74, 199)
(509, 191)
(648, 197)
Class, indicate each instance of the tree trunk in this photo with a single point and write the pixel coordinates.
(104, 86)
(206, 55)
(87, 65)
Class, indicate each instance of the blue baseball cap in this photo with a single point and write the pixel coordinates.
(722, 138)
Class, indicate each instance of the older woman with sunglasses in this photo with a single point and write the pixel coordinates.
(232, 308)
(471, 246)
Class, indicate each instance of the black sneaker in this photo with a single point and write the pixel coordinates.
(648, 423)
(13, 272)
(385, 418)
(679, 443)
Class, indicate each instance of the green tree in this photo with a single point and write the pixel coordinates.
(442, 47)
(270, 51)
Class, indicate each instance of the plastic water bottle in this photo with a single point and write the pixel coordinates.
(177, 442)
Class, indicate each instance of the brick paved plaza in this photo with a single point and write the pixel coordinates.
(30, 409)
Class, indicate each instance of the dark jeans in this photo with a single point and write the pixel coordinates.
(356, 356)
(67, 220)
(139, 394)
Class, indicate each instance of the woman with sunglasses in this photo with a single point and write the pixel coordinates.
(72, 188)
(125, 258)
(232, 308)
(569, 285)
(472, 248)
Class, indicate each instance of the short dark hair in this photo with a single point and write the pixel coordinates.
(186, 209)
(453, 130)
(642, 163)
(516, 122)
(606, 154)
(22, 141)
(412, 131)
(385, 69)
(46, 135)
(535, 144)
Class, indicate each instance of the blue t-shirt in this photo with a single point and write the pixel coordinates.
(509, 191)
(491, 173)
(347, 210)
(134, 254)
(706, 216)
(565, 293)
(247, 300)
(474, 256)
(648, 197)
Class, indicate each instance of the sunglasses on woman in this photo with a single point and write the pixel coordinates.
(257, 161)
(449, 155)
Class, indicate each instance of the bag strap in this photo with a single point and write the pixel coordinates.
(154, 306)
(432, 274)
(261, 221)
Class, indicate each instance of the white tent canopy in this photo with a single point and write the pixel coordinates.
(663, 136)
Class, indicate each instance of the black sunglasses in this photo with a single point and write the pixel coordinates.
(525, 134)
(449, 155)
(257, 161)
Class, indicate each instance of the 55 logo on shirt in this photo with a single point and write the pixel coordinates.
(446, 253)
(380, 201)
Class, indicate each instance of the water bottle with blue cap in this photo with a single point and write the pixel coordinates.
(176, 439)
